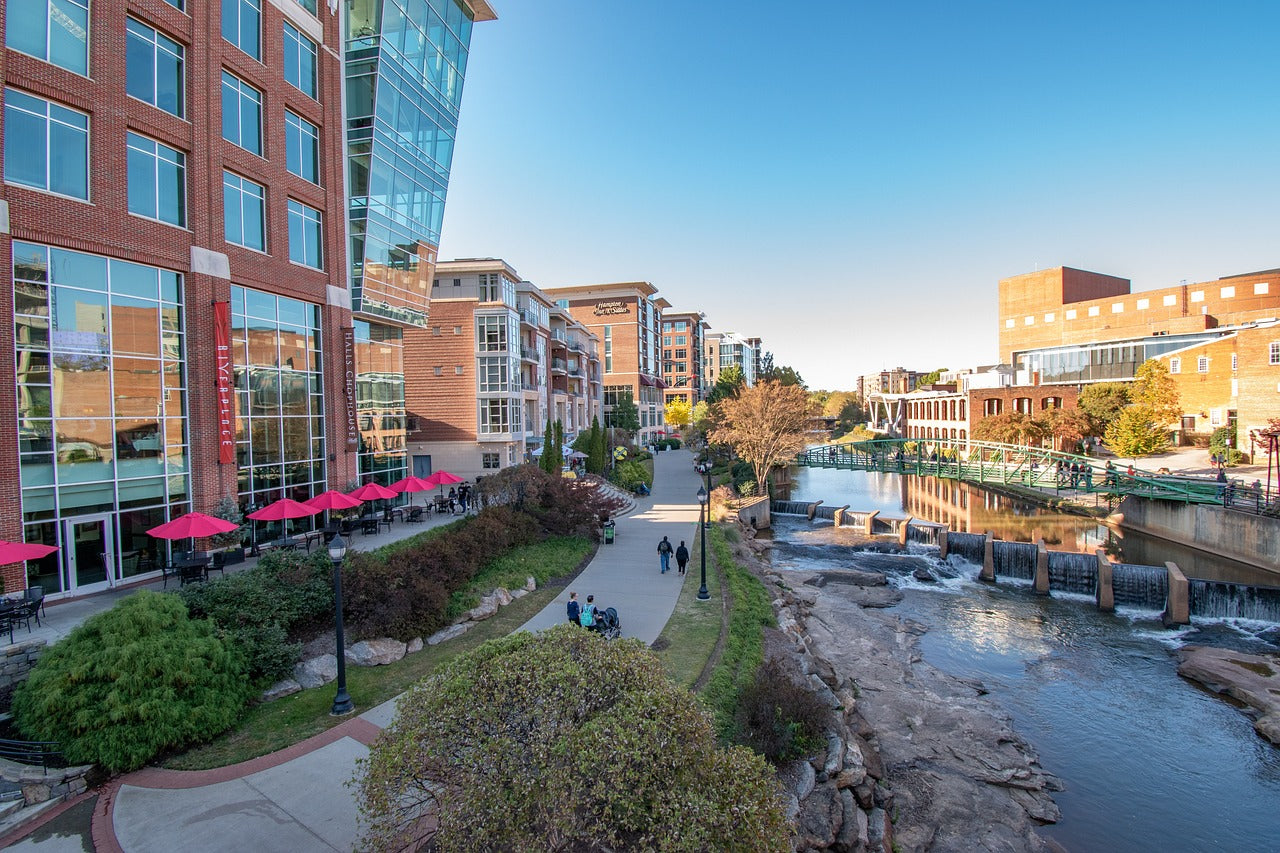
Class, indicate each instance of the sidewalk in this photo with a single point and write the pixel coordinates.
(298, 799)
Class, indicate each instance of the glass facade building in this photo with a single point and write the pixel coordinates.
(405, 63)
(1106, 361)
(102, 431)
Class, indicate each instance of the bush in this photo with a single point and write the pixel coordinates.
(262, 609)
(1222, 445)
(780, 718)
(630, 474)
(132, 682)
(559, 740)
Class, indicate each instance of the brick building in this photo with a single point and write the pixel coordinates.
(173, 220)
(682, 355)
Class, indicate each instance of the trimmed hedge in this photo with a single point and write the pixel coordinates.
(132, 682)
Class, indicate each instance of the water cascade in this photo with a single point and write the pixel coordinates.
(1072, 572)
(1014, 560)
(1145, 587)
(1234, 601)
(966, 546)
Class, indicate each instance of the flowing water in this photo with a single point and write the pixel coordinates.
(1149, 760)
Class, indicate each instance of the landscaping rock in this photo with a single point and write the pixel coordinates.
(530, 584)
(821, 817)
(519, 593)
(415, 645)
(797, 778)
(487, 608)
(502, 596)
(449, 633)
(1253, 680)
(376, 652)
(282, 688)
(316, 672)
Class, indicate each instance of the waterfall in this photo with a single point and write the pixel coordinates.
(1145, 587)
(966, 546)
(925, 534)
(1071, 572)
(1014, 560)
(789, 507)
(1234, 601)
(827, 512)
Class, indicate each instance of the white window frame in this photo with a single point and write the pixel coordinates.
(298, 129)
(50, 115)
(298, 45)
(1175, 365)
(1202, 364)
(159, 43)
(306, 220)
(158, 153)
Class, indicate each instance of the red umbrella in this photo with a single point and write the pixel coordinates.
(412, 484)
(191, 526)
(16, 552)
(283, 510)
(442, 479)
(372, 492)
(332, 500)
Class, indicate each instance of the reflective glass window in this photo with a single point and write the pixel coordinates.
(46, 145)
(157, 180)
(56, 31)
(299, 60)
(241, 113)
(305, 235)
(242, 25)
(244, 206)
(302, 147)
(154, 68)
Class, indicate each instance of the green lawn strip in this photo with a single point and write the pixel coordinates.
(744, 651)
(542, 562)
(689, 638)
(275, 725)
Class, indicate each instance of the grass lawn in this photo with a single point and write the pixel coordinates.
(690, 636)
(276, 725)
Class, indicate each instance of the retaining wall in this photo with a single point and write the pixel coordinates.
(1250, 539)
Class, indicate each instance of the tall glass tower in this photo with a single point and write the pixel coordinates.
(405, 63)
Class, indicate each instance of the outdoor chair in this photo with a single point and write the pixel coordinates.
(35, 593)
(25, 610)
(369, 525)
(218, 563)
(414, 516)
(8, 616)
(348, 526)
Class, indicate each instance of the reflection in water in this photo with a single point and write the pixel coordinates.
(970, 509)
(1149, 760)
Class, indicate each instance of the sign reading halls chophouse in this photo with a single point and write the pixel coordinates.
(349, 382)
(617, 306)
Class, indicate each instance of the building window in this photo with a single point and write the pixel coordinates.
(1071, 313)
(301, 147)
(1144, 304)
(154, 68)
(241, 113)
(682, 353)
(494, 374)
(1197, 296)
(299, 60)
(242, 25)
(1175, 365)
(1235, 362)
(1215, 417)
(438, 370)
(1227, 293)
(157, 181)
(682, 340)
(1048, 318)
(491, 333)
(1261, 288)
(244, 211)
(304, 235)
(490, 461)
(1028, 320)
(56, 31)
(499, 416)
(46, 146)
(608, 349)
(1171, 299)
(1202, 364)
(1117, 307)
(1274, 353)
(1094, 310)
(457, 371)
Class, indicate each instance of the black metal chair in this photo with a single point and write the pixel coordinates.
(414, 516)
(35, 593)
(369, 525)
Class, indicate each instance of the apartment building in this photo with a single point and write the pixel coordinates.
(626, 318)
(729, 348)
(1220, 339)
(682, 355)
(950, 410)
(187, 320)
(498, 358)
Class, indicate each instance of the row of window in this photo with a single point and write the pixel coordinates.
(680, 340)
(1261, 288)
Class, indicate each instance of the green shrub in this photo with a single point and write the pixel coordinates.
(281, 599)
(630, 474)
(132, 682)
(1222, 445)
(780, 718)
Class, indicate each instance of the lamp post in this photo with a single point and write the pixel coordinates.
(703, 498)
(705, 470)
(342, 703)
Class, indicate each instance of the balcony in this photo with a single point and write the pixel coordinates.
(559, 338)
(559, 366)
(529, 354)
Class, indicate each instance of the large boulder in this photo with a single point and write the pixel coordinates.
(377, 652)
(282, 688)
(316, 672)
(449, 633)
(487, 608)
(1253, 680)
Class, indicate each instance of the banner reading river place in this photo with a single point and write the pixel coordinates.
(222, 360)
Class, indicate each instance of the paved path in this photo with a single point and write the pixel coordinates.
(297, 799)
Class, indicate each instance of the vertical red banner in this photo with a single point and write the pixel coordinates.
(222, 359)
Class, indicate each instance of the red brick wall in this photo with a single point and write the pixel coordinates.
(444, 405)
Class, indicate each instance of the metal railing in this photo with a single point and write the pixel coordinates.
(37, 753)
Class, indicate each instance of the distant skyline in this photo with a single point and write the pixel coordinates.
(850, 181)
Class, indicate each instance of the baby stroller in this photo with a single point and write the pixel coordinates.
(607, 624)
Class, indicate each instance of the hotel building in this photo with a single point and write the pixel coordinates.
(187, 320)
(497, 360)
(626, 318)
(682, 358)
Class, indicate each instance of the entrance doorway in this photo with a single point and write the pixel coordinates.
(422, 466)
(89, 553)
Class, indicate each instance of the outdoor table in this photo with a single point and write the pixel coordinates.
(285, 543)
(191, 568)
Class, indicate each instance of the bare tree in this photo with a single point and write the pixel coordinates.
(766, 425)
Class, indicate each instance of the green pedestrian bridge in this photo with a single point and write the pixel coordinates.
(987, 463)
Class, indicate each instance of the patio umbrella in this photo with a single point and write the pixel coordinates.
(372, 492)
(332, 499)
(16, 552)
(283, 510)
(412, 484)
(191, 526)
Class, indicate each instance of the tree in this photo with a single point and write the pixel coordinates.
(625, 414)
(1135, 433)
(766, 425)
(1009, 428)
(730, 382)
(599, 460)
(785, 375)
(1067, 426)
(1155, 390)
(560, 741)
(549, 460)
(930, 377)
(1103, 403)
(700, 416)
(678, 412)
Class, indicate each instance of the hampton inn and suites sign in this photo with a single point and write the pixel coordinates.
(617, 306)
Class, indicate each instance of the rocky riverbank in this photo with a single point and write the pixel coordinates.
(917, 760)
(1252, 680)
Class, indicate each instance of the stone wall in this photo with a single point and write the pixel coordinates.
(1250, 539)
(15, 665)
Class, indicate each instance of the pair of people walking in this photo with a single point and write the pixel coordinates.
(664, 555)
(582, 614)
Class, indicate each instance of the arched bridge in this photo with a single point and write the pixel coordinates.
(1009, 464)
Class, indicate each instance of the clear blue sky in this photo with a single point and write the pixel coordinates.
(849, 180)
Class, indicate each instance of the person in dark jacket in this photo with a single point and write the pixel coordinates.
(682, 556)
(575, 609)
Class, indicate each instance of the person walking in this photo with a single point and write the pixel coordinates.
(664, 554)
(682, 556)
(575, 609)
(587, 616)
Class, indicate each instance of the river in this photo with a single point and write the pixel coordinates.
(1149, 760)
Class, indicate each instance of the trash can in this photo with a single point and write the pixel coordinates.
(608, 533)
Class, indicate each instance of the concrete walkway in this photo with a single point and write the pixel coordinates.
(298, 799)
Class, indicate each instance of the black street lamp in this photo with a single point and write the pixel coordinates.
(342, 703)
(703, 512)
(705, 470)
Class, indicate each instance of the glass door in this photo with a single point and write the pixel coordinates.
(90, 553)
